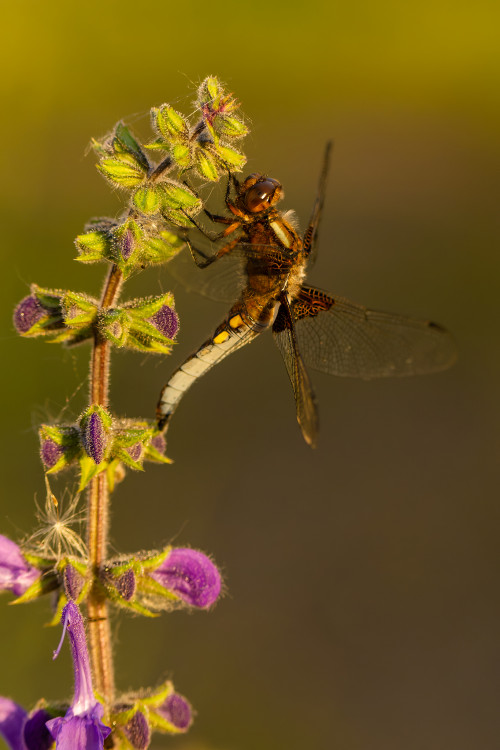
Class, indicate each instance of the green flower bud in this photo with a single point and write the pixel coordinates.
(40, 314)
(147, 325)
(59, 446)
(79, 311)
(229, 157)
(125, 141)
(210, 92)
(169, 123)
(161, 247)
(125, 172)
(230, 127)
(127, 239)
(206, 164)
(93, 246)
(147, 200)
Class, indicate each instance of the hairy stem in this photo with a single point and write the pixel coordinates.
(98, 509)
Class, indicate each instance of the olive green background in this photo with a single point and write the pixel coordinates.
(362, 579)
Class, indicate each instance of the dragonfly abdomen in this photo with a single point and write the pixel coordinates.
(232, 334)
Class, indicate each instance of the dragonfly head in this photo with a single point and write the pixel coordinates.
(259, 193)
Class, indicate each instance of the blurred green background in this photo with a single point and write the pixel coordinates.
(362, 606)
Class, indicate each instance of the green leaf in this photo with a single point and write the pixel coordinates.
(89, 469)
(125, 138)
(114, 325)
(144, 343)
(125, 173)
(170, 123)
(206, 165)
(162, 248)
(230, 127)
(231, 157)
(159, 145)
(176, 196)
(182, 154)
(176, 217)
(93, 246)
(147, 200)
(210, 92)
(79, 311)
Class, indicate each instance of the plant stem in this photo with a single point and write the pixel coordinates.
(98, 509)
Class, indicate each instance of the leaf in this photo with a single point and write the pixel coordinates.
(125, 137)
(206, 165)
(125, 173)
(147, 200)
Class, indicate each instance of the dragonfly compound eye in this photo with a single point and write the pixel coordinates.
(264, 194)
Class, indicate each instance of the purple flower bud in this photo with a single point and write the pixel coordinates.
(166, 321)
(126, 585)
(28, 312)
(50, 453)
(35, 734)
(23, 732)
(191, 575)
(73, 582)
(138, 732)
(127, 244)
(81, 728)
(176, 710)
(135, 451)
(159, 443)
(95, 438)
(16, 574)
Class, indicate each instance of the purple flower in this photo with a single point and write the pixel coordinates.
(23, 732)
(95, 438)
(159, 443)
(166, 321)
(135, 451)
(176, 710)
(35, 732)
(81, 728)
(16, 574)
(127, 244)
(12, 718)
(28, 312)
(138, 732)
(73, 582)
(50, 453)
(191, 575)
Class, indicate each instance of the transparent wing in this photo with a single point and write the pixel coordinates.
(307, 415)
(341, 338)
(225, 279)
(222, 281)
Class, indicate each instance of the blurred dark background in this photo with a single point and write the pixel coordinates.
(362, 605)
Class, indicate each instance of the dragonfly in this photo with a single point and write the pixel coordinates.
(310, 327)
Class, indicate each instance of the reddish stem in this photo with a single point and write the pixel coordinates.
(98, 509)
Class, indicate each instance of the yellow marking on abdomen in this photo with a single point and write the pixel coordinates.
(236, 322)
(221, 337)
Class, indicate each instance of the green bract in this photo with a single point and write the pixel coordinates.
(132, 245)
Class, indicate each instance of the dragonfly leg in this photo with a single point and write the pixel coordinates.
(212, 238)
(211, 216)
(209, 259)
